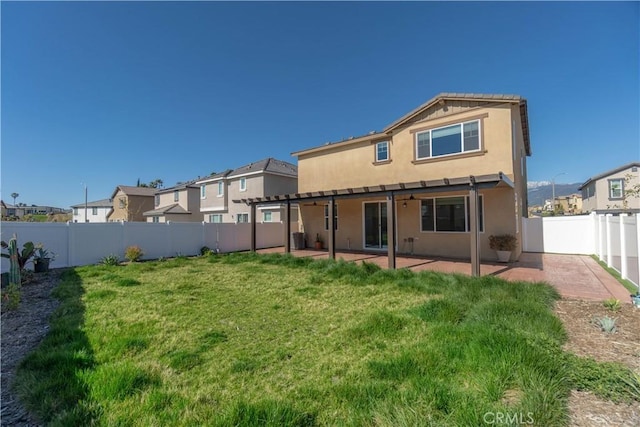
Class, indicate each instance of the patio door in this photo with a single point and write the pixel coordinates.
(375, 225)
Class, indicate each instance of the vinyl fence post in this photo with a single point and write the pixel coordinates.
(624, 272)
(608, 227)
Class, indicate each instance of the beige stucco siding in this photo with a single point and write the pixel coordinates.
(354, 166)
(278, 184)
(499, 218)
(212, 201)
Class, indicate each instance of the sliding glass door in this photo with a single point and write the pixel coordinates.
(375, 225)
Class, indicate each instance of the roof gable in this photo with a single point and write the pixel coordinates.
(610, 172)
(268, 165)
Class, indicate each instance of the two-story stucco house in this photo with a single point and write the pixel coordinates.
(180, 203)
(258, 179)
(130, 203)
(95, 211)
(609, 190)
(438, 181)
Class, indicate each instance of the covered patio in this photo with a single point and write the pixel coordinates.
(470, 185)
(574, 276)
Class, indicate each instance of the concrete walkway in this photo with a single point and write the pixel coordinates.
(574, 276)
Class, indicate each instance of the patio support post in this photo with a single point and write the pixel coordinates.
(474, 229)
(391, 230)
(287, 228)
(331, 233)
(253, 227)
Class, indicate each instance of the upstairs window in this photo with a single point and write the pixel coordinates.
(203, 191)
(157, 200)
(94, 211)
(220, 188)
(444, 141)
(122, 203)
(243, 184)
(176, 196)
(616, 188)
(382, 151)
(75, 211)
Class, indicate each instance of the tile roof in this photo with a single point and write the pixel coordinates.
(267, 165)
(104, 203)
(135, 191)
(610, 172)
(170, 209)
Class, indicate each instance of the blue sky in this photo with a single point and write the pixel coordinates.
(102, 93)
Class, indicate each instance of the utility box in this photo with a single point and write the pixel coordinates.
(298, 240)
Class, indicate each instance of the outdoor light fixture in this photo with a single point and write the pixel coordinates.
(404, 204)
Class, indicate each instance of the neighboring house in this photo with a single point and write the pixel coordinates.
(130, 203)
(266, 177)
(93, 211)
(21, 209)
(569, 205)
(609, 190)
(430, 164)
(180, 203)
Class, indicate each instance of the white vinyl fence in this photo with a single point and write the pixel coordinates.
(77, 244)
(614, 239)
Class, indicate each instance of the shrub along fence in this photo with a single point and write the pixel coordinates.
(614, 238)
(78, 244)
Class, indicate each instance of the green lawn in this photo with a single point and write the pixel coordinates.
(274, 340)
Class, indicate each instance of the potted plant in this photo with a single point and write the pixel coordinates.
(318, 242)
(41, 259)
(503, 244)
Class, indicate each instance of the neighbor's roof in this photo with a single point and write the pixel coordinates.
(104, 203)
(268, 165)
(611, 172)
(180, 186)
(171, 209)
(214, 176)
(442, 97)
(134, 191)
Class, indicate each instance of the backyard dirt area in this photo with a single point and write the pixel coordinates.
(587, 340)
(25, 327)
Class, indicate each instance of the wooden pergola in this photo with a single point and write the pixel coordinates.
(472, 184)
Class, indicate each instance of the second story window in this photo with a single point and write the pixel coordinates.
(176, 196)
(458, 138)
(94, 211)
(75, 211)
(220, 188)
(157, 200)
(203, 191)
(382, 151)
(243, 184)
(122, 203)
(615, 188)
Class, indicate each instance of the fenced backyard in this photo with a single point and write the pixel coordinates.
(77, 244)
(614, 239)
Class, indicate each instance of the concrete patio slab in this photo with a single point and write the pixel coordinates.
(574, 276)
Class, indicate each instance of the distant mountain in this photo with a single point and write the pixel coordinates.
(538, 192)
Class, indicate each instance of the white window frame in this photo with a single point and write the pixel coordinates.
(265, 214)
(462, 148)
(176, 195)
(203, 191)
(156, 200)
(75, 211)
(220, 188)
(616, 180)
(326, 217)
(155, 219)
(94, 211)
(212, 216)
(467, 225)
(243, 184)
(242, 214)
(386, 150)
